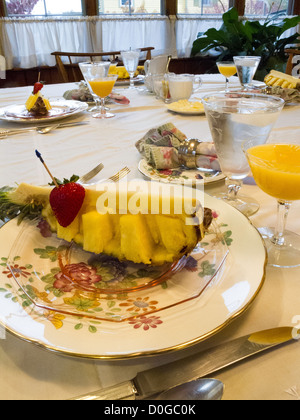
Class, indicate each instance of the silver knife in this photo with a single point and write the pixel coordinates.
(161, 378)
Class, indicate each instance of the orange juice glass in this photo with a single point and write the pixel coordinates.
(227, 69)
(276, 170)
(102, 87)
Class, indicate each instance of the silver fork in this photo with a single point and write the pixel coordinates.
(123, 172)
(91, 174)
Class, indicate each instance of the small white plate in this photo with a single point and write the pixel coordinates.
(178, 175)
(60, 109)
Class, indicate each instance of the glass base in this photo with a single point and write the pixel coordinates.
(95, 109)
(247, 205)
(283, 256)
(99, 115)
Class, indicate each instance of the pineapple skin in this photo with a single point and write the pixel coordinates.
(152, 239)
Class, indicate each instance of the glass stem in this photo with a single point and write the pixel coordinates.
(131, 75)
(98, 104)
(226, 84)
(283, 208)
(103, 111)
(233, 187)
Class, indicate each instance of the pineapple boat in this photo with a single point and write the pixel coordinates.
(276, 78)
(37, 104)
(137, 236)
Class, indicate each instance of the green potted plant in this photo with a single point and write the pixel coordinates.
(237, 37)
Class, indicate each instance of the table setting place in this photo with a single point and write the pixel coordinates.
(150, 236)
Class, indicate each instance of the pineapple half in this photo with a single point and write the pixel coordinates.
(138, 226)
(276, 78)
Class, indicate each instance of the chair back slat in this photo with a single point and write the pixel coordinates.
(62, 69)
(292, 52)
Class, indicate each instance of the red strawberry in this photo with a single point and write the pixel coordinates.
(66, 201)
(37, 87)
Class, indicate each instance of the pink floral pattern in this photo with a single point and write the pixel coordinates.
(146, 322)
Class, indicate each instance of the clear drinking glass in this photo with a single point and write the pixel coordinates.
(131, 60)
(276, 170)
(235, 117)
(246, 67)
(90, 69)
(100, 83)
(227, 69)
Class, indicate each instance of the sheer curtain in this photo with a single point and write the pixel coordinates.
(28, 43)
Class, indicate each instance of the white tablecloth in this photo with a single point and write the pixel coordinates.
(28, 372)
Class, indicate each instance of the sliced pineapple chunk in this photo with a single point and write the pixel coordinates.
(141, 237)
(276, 78)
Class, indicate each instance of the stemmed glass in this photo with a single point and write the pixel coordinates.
(227, 69)
(276, 170)
(101, 68)
(101, 84)
(235, 117)
(246, 67)
(131, 60)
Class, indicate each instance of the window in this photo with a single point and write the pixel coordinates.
(43, 7)
(129, 7)
(266, 7)
(203, 7)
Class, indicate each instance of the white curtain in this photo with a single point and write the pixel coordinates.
(28, 43)
(187, 29)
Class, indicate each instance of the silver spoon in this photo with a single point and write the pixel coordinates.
(46, 130)
(199, 389)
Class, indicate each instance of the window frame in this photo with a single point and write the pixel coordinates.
(46, 15)
(168, 7)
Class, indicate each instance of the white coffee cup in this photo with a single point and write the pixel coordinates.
(182, 86)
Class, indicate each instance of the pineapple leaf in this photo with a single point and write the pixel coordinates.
(9, 210)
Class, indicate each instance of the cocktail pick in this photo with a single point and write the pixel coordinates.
(46, 167)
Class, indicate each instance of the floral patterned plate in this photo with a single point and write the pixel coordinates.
(178, 175)
(133, 324)
(61, 277)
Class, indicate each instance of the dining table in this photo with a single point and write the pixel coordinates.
(36, 369)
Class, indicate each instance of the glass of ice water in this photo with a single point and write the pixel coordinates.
(234, 118)
(131, 60)
(246, 67)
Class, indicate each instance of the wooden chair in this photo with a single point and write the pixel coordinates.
(62, 69)
(292, 52)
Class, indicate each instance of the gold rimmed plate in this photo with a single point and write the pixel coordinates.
(179, 175)
(60, 109)
(147, 328)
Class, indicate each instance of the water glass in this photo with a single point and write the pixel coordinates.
(236, 117)
(246, 67)
(131, 60)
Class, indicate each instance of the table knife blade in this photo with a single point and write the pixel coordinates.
(161, 378)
